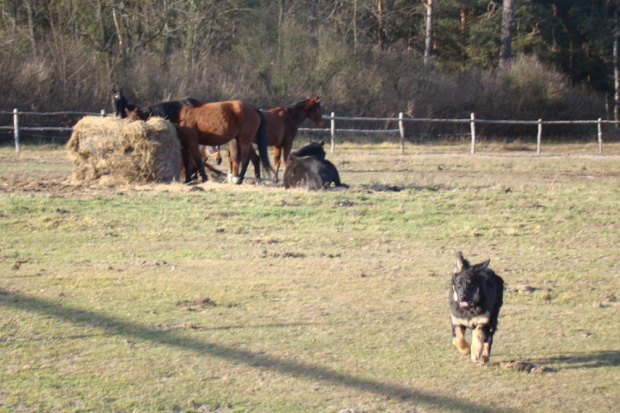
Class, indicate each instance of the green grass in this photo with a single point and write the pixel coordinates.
(323, 301)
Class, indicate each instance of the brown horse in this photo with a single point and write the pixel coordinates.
(218, 123)
(282, 124)
(206, 151)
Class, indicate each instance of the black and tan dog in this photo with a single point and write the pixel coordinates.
(476, 295)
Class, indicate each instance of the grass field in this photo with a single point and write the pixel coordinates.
(219, 298)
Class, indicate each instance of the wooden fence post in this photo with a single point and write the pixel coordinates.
(600, 137)
(473, 133)
(539, 137)
(333, 131)
(16, 129)
(402, 132)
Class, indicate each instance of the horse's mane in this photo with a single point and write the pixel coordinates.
(294, 108)
(298, 103)
(169, 109)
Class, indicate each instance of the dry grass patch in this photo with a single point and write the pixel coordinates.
(214, 297)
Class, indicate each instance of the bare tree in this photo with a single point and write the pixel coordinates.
(123, 51)
(428, 40)
(30, 12)
(616, 60)
(380, 29)
(505, 47)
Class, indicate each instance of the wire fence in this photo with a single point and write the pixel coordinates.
(391, 125)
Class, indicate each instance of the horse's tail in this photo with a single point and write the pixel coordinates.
(261, 142)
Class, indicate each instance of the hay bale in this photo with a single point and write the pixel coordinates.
(116, 151)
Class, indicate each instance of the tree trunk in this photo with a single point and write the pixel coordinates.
(314, 19)
(355, 27)
(33, 40)
(616, 59)
(281, 15)
(428, 40)
(380, 23)
(190, 39)
(122, 50)
(463, 36)
(505, 48)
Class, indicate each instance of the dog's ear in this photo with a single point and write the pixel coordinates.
(481, 266)
(322, 142)
(459, 263)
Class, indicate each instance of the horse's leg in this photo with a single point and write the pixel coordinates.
(277, 153)
(287, 148)
(194, 152)
(230, 167)
(255, 162)
(244, 158)
(186, 164)
(233, 161)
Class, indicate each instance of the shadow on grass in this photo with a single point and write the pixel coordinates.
(115, 326)
(591, 360)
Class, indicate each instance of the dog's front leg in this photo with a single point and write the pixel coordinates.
(458, 339)
(488, 342)
(477, 343)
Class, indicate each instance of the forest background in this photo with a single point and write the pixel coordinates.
(363, 57)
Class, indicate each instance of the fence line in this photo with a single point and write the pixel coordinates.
(333, 130)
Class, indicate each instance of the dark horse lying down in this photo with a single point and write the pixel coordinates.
(308, 168)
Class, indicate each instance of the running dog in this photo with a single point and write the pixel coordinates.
(475, 299)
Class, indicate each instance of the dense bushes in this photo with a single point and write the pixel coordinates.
(370, 82)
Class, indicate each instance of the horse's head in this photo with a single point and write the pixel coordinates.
(313, 106)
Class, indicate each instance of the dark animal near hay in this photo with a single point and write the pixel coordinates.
(476, 296)
(218, 123)
(120, 104)
(282, 124)
(169, 110)
(308, 168)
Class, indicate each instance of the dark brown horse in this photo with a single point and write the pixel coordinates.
(282, 124)
(168, 110)
(218, 123)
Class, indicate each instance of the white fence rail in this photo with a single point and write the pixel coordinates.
(472, 121)
(16, 128)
